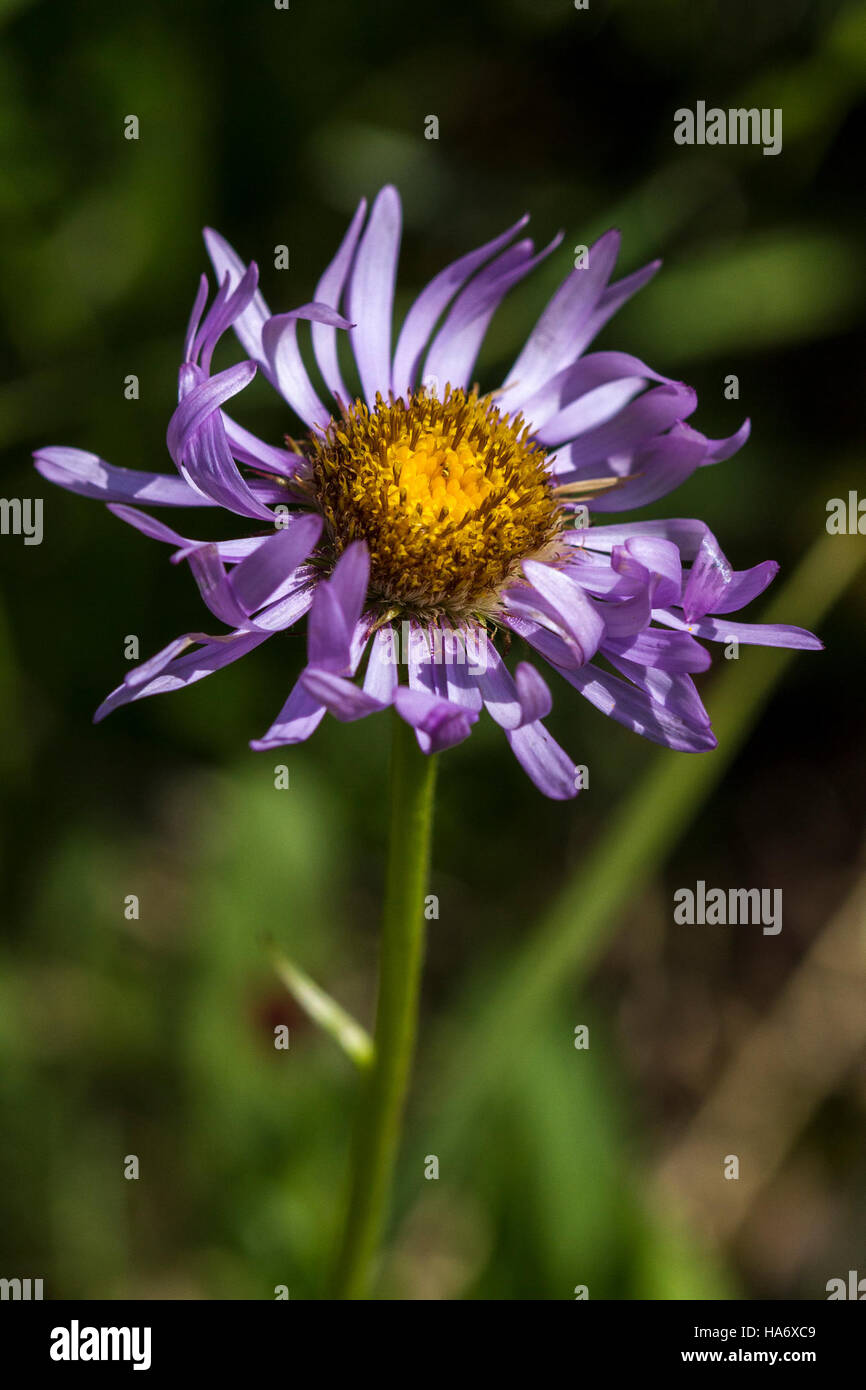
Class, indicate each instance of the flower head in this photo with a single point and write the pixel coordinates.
(420, 524)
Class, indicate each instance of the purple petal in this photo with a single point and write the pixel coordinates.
(752, 634)
(459, 668)
(567, 602)
(260, 578)
(499, 691)
(438, 723)
(213, 584)
(532, 690)
(212, 655)
(341, 697)
(197, 441)
(300, 716)
(146, 670)
(199, 397)
(721, 449)
(638, 711)
(425, 673)
(554, 341)
(612, 300)
(655, 470)
(641, 557)
(371, 294)
(280, 339)
(431, 304)
(248, 327)
(686, 534)
(288, 609)
(627, 617)
(195, 318)
(590, 410)
(586, 378)
(541, 757)
(328, 633)
(660, 650)
(714, 587)
(90, 476)
(248, 448)
(380, 678)
(551, 646)
(229, 551)
(336, 611)
(226, 308)
(674, 691)
(513, 702)
(656, 410)
(349, 580)
(329, 291)
(454, 349)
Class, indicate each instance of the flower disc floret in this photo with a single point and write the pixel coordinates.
(449, 495)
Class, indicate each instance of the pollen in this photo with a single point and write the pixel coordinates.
(450, 496)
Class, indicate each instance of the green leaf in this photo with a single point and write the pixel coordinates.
(324, 1010)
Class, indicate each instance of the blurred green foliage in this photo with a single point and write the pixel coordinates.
(155, 1037)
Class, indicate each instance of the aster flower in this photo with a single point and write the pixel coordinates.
(421, 521)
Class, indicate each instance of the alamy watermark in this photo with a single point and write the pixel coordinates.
(736, 126)
(702, 906)
(22, 516)
(77, 1343)
(846, 516)
(23, 1290)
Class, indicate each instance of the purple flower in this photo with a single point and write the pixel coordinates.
(420, 524)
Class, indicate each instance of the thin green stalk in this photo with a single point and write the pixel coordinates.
(377, 1130)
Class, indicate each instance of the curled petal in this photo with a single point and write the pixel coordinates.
(554, 593)
(249, 324)
(612, 300)
(228, 306)
(513, 701)
(720, 449)
(603, 381)
(438, 723)
(714, 587)
(280, 340)
(655, 469)
(636, 424)
(342, 698)
(197, 440)
(248, 448)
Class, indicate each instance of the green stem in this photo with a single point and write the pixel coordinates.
(378, 1124)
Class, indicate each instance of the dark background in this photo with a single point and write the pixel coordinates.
(155, 1037)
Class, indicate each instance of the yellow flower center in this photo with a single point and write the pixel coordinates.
(449, 495)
